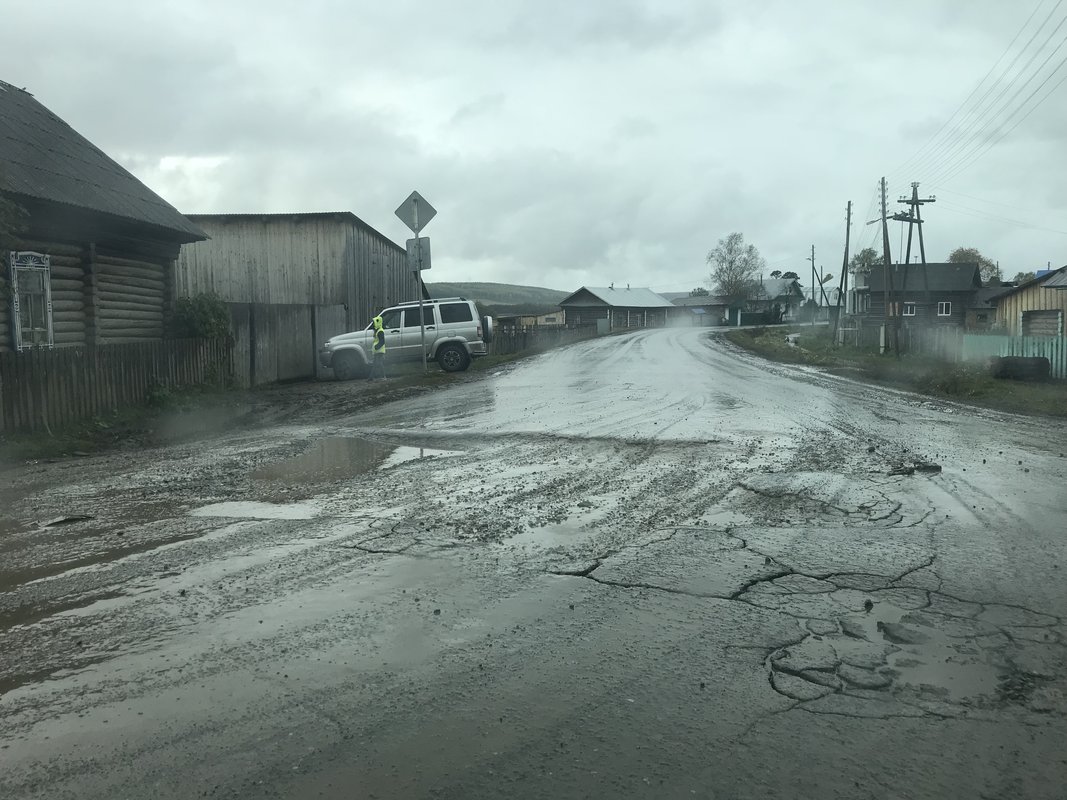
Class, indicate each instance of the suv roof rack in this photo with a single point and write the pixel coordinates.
(431, 300)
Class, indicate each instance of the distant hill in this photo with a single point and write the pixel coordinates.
(524, 298)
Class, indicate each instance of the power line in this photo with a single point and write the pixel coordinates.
(1022, 119)
(974, 117)
(967, 211)
(975, 141)
(974, 91)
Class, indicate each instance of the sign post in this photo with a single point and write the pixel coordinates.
(416, 213)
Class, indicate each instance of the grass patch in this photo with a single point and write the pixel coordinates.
(930, 376)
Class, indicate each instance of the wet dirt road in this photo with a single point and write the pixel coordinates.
(642, 566)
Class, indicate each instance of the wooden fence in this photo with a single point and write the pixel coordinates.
(45, 389)
(508, 340)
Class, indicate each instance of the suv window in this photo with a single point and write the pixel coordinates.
(391, 318)
(411, 316)
(456, 312)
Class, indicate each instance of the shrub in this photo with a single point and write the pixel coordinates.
(204, 316)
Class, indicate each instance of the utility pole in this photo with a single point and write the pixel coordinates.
(814, 305)
(842, 284)
(914, 217)
(886, 263)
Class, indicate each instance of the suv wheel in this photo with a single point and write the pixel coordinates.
(453, 358)
(346, 366)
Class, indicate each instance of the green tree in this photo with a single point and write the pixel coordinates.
(1024, 277)
(700, 291)
(970, 255)
(203, 316)
(734, 267)
(865, 260)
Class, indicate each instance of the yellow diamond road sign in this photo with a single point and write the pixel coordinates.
(415, 212)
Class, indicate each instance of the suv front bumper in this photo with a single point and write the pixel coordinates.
(326, 358)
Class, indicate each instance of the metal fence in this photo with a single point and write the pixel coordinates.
(45, 389)
(954, 344)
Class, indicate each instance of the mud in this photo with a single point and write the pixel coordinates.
(632, 567)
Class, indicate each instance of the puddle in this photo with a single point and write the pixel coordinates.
(549, 536)
(11, 579)
(922, 657)
(251, 510)
(343, 457)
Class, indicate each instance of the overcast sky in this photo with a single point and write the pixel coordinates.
(566, 142)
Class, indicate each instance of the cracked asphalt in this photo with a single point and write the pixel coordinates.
(647, 565)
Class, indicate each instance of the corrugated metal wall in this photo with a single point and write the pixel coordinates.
(1035, 298)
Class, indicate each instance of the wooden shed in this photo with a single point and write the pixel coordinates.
(609, 308)
(292, 281)
(1035, 308)
(94, 262)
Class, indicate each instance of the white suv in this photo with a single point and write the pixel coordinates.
(454, 336)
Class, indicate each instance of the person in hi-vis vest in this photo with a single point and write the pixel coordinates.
(377, 370)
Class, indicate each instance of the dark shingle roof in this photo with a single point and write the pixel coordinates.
(43, 158)
(1056, 279)
(938, 278)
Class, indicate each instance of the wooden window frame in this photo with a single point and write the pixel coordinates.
(908, 304)
(29, 262)
(944, 304)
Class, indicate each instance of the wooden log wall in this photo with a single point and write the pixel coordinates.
(5, 306)
(130, 298)
(98, 297)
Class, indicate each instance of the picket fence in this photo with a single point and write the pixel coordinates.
(45, 389)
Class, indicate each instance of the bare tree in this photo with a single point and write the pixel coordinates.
(735, 266)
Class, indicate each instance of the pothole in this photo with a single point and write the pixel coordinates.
(337, 458)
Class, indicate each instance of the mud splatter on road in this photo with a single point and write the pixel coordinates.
(631, 567)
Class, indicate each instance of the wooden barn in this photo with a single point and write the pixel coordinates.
(94, 260)
(608, 308)
(292, 281)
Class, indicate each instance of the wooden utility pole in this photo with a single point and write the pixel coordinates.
(842, 284)
(914, 218)
(814, 305)
(888, 286)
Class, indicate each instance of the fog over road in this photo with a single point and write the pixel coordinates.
(646, 565)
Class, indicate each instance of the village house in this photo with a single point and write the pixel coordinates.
(95, 261)
(609, 309)
(87, 278)
(698, 310)
(1034, 308)
(920, 294)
